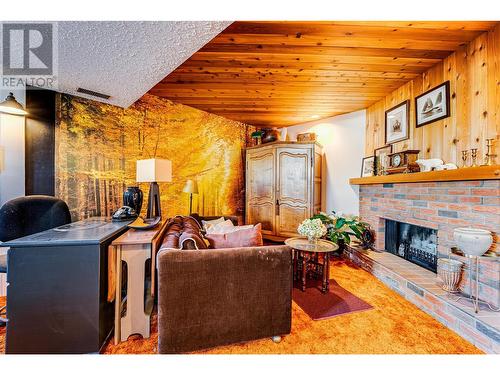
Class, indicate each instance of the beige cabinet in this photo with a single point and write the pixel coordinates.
(283, 186)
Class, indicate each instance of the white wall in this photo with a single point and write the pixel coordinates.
(12, 150)
(11, 158)
(343, 141)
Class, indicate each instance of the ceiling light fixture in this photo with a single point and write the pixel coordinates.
(11, 106)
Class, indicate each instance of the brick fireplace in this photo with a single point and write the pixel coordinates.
(442, 206)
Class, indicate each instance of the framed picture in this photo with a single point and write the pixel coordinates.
(368, 166)
(397, 123)
(433, 105)
(382, 159)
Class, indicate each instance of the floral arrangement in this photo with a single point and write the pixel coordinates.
(312, 228)
(340, 227)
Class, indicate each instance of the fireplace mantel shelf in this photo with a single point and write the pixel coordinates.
(462, 174)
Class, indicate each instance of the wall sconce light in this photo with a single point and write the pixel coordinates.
(11, 106)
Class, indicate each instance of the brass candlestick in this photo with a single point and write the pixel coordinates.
(473, 152)
(489, 157)
(465, 156)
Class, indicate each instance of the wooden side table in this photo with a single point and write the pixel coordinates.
(134, 248)
(306, 256)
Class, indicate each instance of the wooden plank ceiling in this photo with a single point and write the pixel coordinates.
(284, 73)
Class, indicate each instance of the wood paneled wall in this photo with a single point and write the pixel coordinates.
(474, 75)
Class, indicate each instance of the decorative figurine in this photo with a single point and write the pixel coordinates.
(427, 165)
(465, 156)
(474, 156)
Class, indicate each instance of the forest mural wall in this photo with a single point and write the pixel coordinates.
(97, 146)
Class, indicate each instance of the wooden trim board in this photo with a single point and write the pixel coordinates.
(462, 174)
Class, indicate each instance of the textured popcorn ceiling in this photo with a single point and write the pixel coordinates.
(125, 59)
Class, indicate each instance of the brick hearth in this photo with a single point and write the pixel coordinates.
(422, 288)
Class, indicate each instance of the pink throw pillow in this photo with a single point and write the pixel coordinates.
(240, 238)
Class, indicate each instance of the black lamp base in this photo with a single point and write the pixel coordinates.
(154, 207)
(190, 204)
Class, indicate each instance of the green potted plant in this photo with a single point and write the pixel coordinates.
(340, 228)
(257, 137)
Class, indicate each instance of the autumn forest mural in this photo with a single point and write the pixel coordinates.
(97, 146)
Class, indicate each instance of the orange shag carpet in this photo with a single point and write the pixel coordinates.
(393, 326)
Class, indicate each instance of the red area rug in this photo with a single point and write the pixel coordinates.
(337, 301)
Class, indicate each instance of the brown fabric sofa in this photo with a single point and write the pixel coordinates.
(213, 297)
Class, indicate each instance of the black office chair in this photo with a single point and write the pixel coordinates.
(23, 216)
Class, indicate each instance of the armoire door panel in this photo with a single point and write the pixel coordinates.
(294, 189)
(261, 176)
(294, 175)
(261, 187)
(262, 213)
(290, 217)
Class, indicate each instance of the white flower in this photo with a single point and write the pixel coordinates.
(313, 228)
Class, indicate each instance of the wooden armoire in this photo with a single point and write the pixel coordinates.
(283, 186)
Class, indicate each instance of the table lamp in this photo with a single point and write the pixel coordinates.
(190, 188)
(154, 171)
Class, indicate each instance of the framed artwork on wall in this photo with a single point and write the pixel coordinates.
(397, 120)
(381, 155)
(433, 105)
(368, 166)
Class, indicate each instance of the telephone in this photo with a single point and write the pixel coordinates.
(124, 213)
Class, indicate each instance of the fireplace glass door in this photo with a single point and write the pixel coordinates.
(412, 242)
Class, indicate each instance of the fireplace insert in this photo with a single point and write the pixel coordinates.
(412, 242)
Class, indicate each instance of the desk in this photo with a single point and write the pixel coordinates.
(57, 289)
(134, 248)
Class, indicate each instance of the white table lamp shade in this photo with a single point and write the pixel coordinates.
(154, 170)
